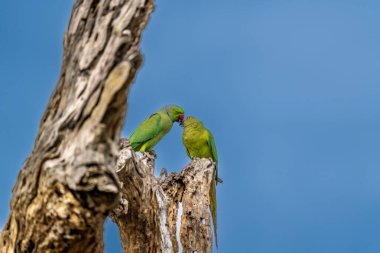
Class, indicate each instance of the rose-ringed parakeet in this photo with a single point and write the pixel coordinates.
(152, 129)
(199, 142)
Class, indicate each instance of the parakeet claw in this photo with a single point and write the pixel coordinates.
(151, 155)
(219, 180)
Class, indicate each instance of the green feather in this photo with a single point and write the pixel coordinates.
(211, 143)
(154, 128)
(146, 131)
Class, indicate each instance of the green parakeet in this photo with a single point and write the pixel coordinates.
(199, 142)
(152, 129)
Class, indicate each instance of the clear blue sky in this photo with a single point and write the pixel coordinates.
(290, 90)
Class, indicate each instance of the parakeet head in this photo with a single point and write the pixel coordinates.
(192, 121)
(176, 113)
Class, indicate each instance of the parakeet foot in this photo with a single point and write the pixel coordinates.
(151, 155)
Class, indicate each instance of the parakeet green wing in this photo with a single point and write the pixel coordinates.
(146, 131)
(211, 144)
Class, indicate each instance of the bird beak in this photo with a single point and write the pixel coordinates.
(180, 119)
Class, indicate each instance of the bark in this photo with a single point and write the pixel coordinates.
(147, 214)
(68, 184)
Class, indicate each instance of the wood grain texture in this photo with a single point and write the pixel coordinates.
(148, 209)
(68, 184)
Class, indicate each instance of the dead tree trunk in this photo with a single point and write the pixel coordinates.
(69, 185)
(148, 210)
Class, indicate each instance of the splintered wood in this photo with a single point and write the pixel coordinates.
(69, 185)
(148, 209)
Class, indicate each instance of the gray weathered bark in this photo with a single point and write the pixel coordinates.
(69, 184)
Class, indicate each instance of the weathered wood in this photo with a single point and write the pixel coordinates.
(68, 184)
(148, 210)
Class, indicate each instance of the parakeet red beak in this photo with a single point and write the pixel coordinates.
(180, 119)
